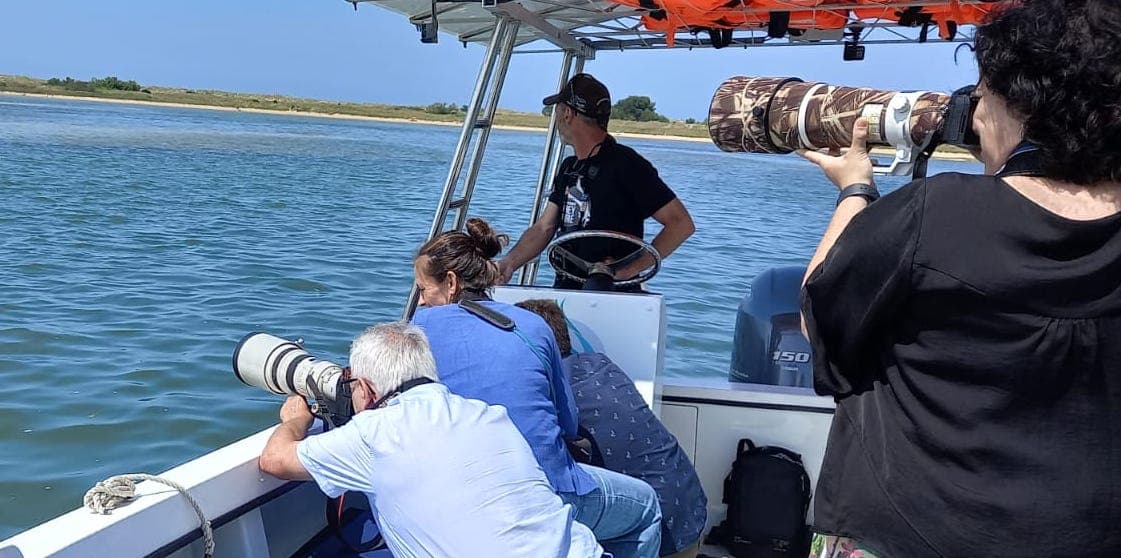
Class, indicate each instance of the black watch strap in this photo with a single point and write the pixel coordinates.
(859, 189)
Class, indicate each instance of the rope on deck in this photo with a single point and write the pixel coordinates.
(118, 490)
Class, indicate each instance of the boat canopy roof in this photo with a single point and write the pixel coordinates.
(586, 26)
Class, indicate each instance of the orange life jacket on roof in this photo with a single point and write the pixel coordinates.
(948, 17)
(683, 15)
(670, 16)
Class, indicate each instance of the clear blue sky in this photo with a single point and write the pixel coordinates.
(324, 49)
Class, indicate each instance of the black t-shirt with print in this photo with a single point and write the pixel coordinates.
(615, 189)
(972, 340)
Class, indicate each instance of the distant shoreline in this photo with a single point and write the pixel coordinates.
(253, 110)
(337, 116)
(877, 151)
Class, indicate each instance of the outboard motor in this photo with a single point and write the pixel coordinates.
(769, 347)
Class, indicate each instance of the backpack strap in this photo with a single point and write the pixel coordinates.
(743, 448)
(783, 453)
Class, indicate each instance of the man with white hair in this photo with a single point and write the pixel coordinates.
(445, 475)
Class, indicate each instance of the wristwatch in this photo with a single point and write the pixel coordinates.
(859, 189)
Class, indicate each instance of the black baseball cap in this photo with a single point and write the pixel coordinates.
(587, 96)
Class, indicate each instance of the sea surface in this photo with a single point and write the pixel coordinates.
(138, 244)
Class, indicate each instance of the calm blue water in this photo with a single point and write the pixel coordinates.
(139, 244)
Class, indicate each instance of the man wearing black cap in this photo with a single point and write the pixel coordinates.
(604, 186)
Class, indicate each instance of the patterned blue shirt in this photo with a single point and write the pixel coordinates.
(634, 442)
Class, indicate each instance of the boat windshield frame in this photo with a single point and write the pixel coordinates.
(578, 29)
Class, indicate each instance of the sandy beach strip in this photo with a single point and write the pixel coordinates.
(324, 115)
(877, 151)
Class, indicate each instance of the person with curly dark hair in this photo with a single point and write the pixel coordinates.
(969, 326)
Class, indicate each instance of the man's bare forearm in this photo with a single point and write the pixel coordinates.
(672, 236)
(292, 431)
(665, 242)
(677, 227)
(532, 242)
(278, 457)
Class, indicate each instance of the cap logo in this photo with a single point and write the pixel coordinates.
(586, 96)
(579, 103)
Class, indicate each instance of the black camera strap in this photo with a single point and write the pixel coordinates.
(400, 389)
(922, 161)
(503, 322)
(1024, 161)
(339, 411)
(492, 317)
(583, 448)
(497, 319)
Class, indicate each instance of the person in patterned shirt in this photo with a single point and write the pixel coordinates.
(630, 438)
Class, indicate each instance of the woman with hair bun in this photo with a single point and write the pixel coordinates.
(969, 326)
(520, 369)
(458, 264)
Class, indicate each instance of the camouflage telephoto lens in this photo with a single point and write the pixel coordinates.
(780, 115)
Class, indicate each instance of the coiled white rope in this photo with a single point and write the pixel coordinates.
(115, 491)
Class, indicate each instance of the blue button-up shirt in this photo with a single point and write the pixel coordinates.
(521, 371)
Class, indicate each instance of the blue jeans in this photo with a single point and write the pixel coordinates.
(623, 513)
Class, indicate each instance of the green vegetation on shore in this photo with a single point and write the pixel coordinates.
(436, 112)
(637, 108)
(110, 83)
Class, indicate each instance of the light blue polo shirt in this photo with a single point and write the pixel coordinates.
(447, 476)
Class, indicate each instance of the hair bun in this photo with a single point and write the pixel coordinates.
(488, 243)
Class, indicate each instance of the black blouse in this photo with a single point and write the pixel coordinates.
(972, 340)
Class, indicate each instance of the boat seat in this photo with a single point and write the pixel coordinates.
(630, 328)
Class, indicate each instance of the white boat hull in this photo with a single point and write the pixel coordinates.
(257, 515)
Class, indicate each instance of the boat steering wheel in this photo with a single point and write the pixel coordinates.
(573, 267)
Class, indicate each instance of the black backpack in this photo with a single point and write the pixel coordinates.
(768, 495)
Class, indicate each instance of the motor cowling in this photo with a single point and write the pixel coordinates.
(768, 347)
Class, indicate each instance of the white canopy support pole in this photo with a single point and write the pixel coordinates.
(491, 108)
(554, 151)
(476, 124)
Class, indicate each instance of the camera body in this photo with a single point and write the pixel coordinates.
(957, 128)
(284, 367)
